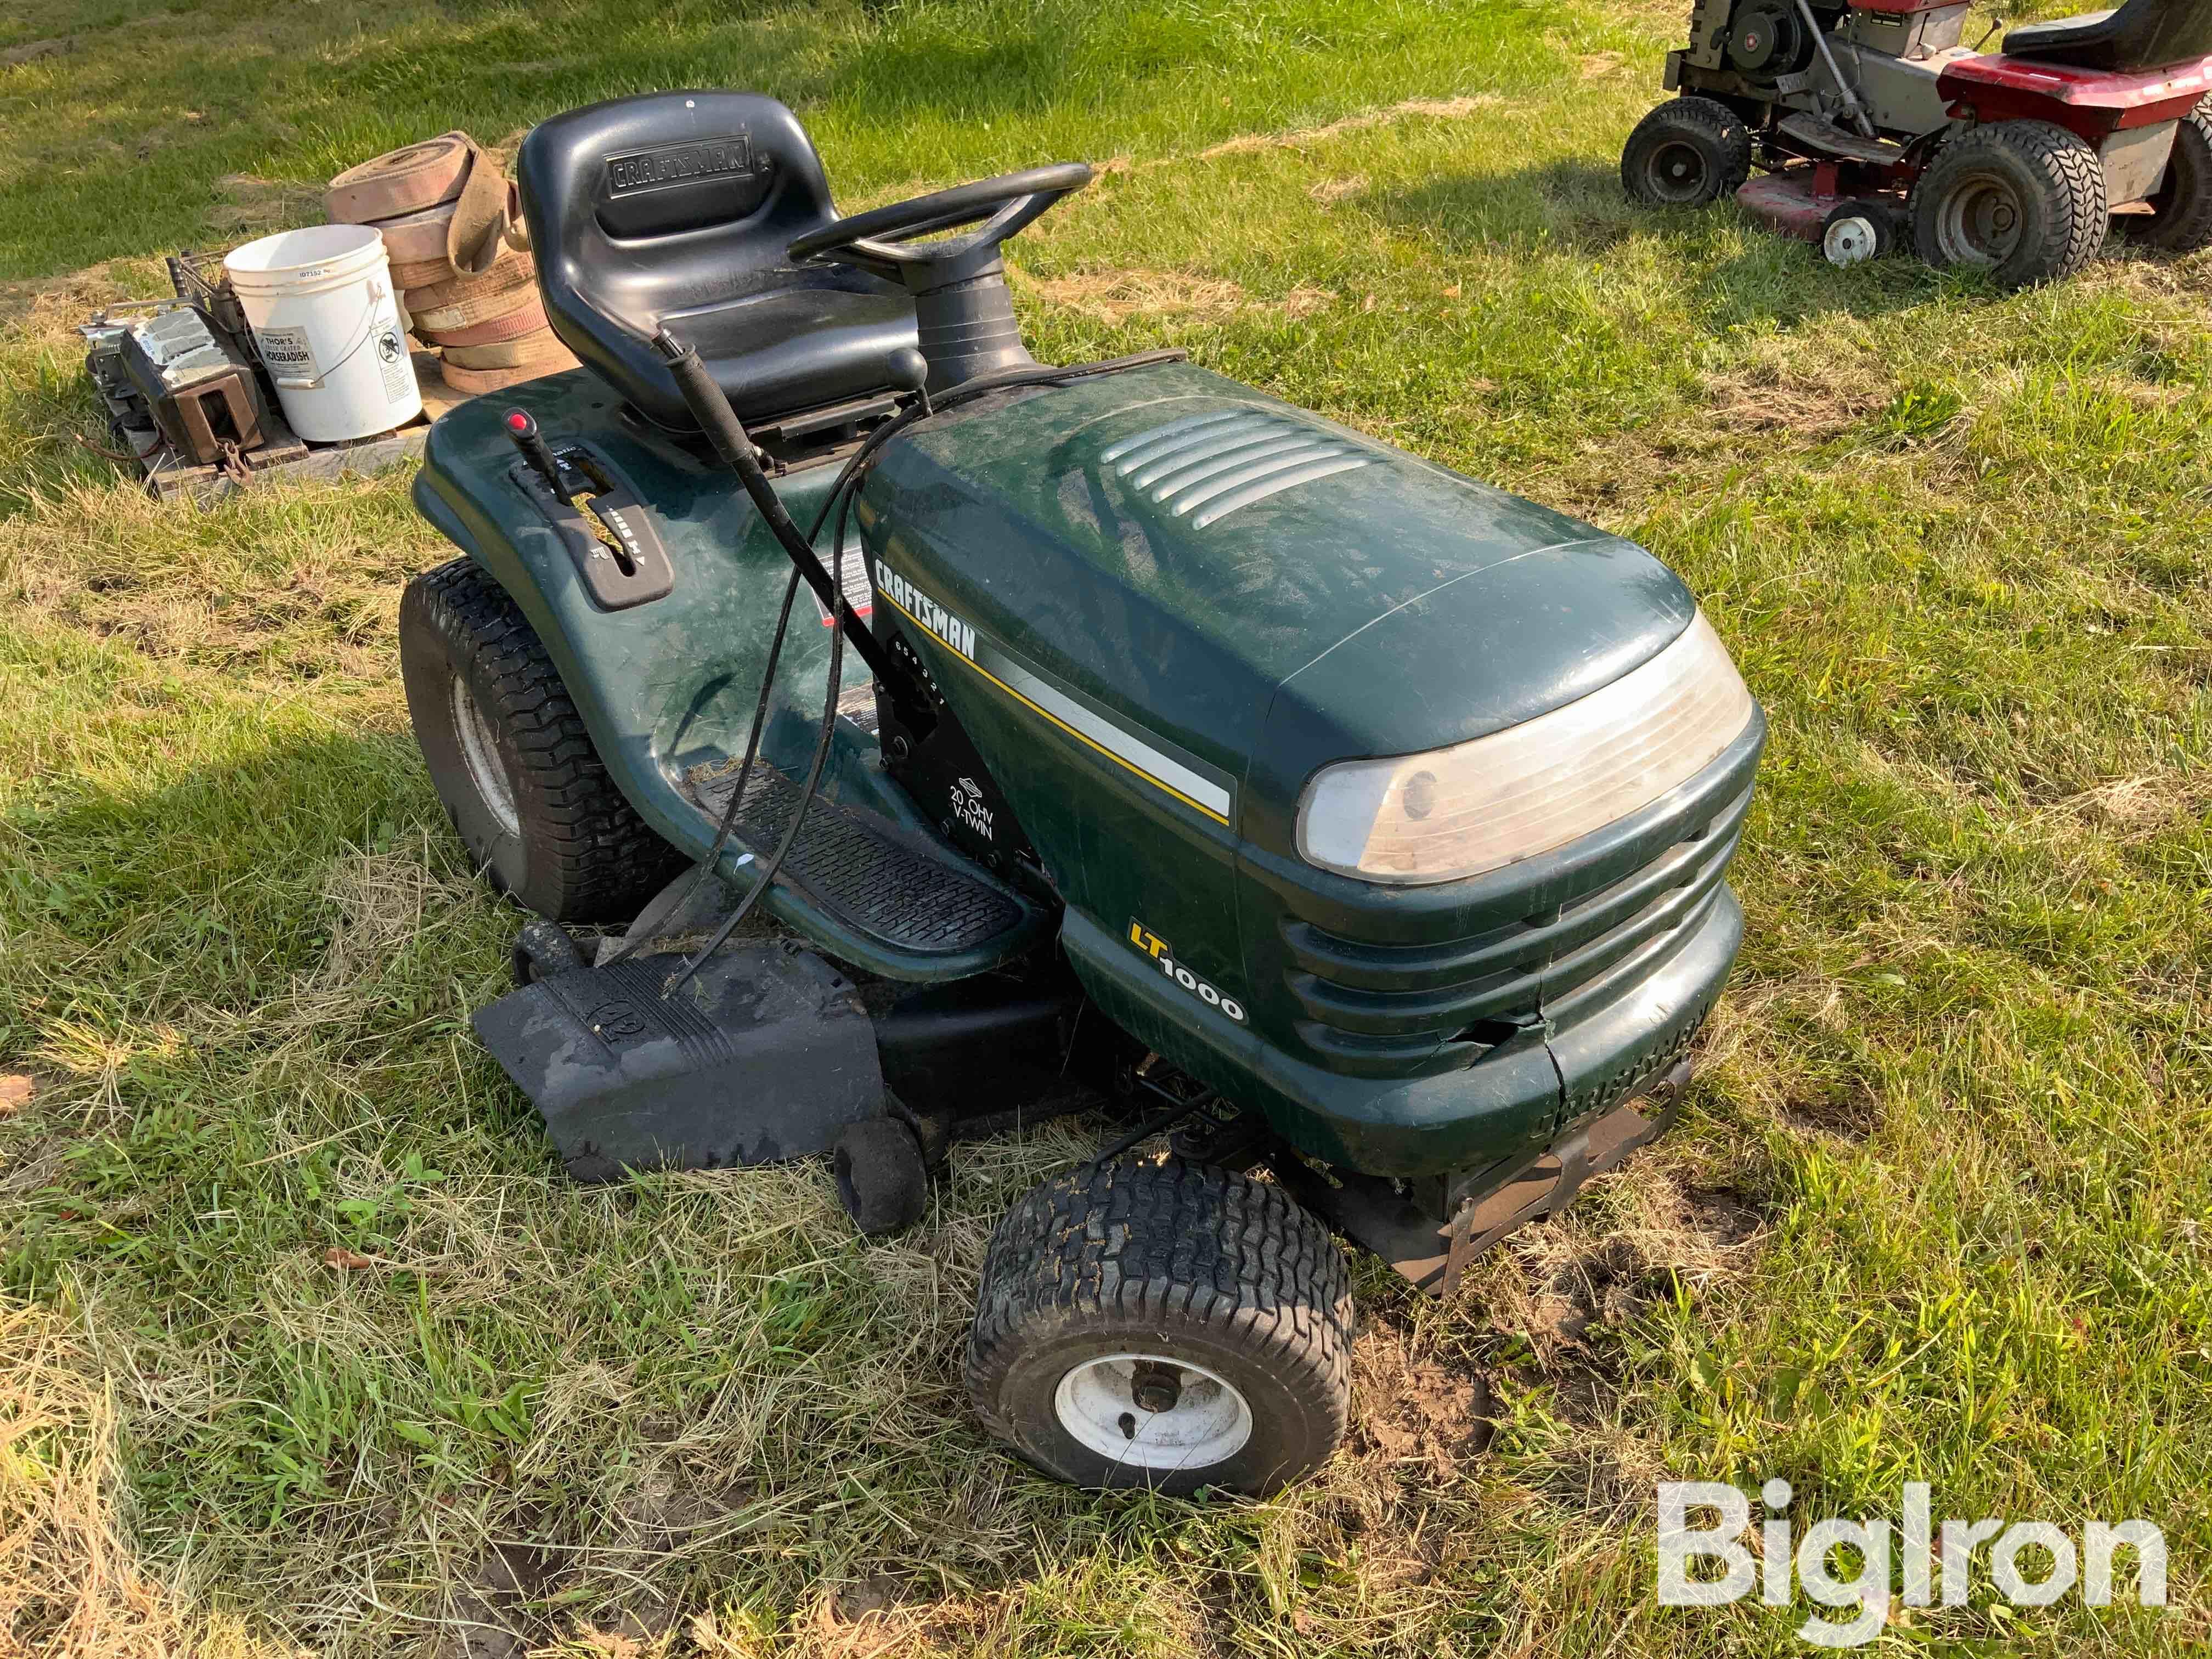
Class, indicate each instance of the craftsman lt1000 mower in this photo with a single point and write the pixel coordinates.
(1877, 129)
(1358, 826)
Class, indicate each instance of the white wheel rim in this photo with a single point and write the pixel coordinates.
(1208, 1424)
(1848, 241)
(480, 754)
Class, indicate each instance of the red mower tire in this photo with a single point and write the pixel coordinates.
(2180, 216)
(1165, 1325)
(511, 759)
(2023, 200)
(1689, 153)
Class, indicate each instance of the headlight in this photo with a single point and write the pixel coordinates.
(1480, 805)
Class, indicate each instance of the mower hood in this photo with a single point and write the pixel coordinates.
(1262, 588)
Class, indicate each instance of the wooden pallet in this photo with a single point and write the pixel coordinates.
(282, 454)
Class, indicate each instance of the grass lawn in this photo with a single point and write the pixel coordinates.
(1941, 1208)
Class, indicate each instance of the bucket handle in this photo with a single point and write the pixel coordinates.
(309, 383)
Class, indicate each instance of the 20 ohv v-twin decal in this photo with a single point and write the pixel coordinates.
(1162, 953)
(960, 635)
(968, 807)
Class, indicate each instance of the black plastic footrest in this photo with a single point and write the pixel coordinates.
(858, 872)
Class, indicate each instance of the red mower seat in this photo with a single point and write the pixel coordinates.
(2142, 34)
(676, 208)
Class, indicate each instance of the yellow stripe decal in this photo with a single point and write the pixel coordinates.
(1046, 714)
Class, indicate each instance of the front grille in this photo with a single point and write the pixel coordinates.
(1205, 467)
(1422, 1006)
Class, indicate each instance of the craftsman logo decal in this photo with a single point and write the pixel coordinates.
(1203, 787)
(968, 807)
(960, 635)
(635, 171)
(1163, 955)
(612, 1021)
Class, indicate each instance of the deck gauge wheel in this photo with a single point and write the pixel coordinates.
(1861, 229)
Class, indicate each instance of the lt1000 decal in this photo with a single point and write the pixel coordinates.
(1163, 954)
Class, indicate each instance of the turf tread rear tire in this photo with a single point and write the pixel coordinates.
(2064, 182)
(1721, 134)
(1127, 1251)
(2180, 220)
(583, 855)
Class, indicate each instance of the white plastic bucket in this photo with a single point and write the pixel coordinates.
(323, 313)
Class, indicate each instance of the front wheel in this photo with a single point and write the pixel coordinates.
(1689, 153)
(511, 759)
(1165, 1325)
(2023, 200)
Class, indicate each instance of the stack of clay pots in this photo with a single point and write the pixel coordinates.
(451, 228)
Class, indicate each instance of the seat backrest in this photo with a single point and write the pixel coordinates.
(2141, 34)
(639, 207)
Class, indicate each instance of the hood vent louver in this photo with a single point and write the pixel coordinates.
(1205, 467)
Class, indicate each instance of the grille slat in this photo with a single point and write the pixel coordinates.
(1414, 999)
(1225, 461)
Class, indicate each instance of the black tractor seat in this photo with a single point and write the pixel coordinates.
(2142, 34)
(676, 208)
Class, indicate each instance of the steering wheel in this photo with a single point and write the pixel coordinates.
(880, 242)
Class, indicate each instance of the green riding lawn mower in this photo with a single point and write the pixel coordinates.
(1112, 737)
(1872, 127)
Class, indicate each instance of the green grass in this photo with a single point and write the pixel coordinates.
(1941, 1208)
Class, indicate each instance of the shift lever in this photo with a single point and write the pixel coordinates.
(535, 450)
(539, 455)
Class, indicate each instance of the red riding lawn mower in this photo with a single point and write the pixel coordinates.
(1874, 129)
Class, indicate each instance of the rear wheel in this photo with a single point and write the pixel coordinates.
(2023, 200)
(510, 757)
(1164, 1325)
(1689, 153)
(2180, 216)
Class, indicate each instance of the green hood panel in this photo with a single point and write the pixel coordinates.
(1176, 548)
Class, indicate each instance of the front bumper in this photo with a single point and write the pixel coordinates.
(1618, 1034)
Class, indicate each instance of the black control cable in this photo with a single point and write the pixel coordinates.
(712, 409)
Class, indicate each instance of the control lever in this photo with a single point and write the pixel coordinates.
(711, 408)
(539, 456)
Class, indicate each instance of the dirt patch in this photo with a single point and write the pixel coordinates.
(1415, 1411)
(30, 51)
(1434, 109)
(1329, 191)
(56, 303)
(1116, 296)
(254, 206)
(2138, 808)
(1849, 1111)
(1597, 64)
(1767, 399)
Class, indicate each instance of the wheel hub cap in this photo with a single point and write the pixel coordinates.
(1848, 241)
(1979, 222)
(1149, 1411)
(481, 756)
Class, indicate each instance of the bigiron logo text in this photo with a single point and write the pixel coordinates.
(1161, 952)
(960, 635)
